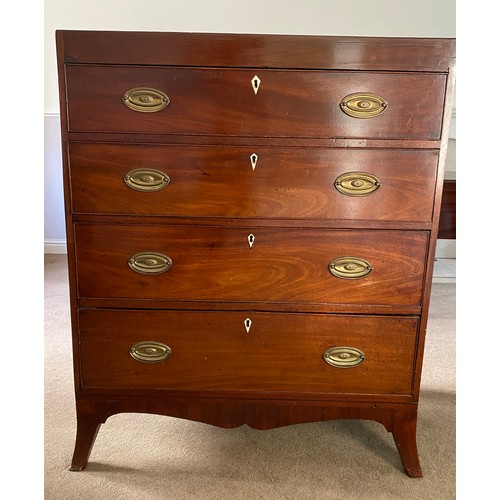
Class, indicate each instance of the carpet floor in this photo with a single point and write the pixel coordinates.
(146, 457)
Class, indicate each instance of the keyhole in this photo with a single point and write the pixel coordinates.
(253, 160)
(251, 240)
(248, 324)
(255, 84)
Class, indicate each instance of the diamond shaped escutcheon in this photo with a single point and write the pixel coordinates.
(255, 84)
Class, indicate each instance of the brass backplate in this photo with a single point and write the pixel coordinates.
(350, 267)
(150, 263)
(146, 180)
(356, 183)
(363, 105)
(145, 99)
(343, 357)
(150, 351)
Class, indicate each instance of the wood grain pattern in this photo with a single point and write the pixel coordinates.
(226, 103)
(291, 183)
(229, 413)
(216, 263)
(272, 375)
(213, 351)
(310, 142)
(258, 51)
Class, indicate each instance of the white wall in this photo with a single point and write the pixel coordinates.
(422, 18)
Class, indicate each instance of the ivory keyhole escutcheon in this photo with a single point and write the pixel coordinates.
(255, 84)
(251, 240)
(253, 160)
(248, 324)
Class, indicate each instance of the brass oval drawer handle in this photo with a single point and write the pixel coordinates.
(343, 357)
(356, 183)
(150, 263)
(145, 99)
(350, 267)
(150, 352)
(146, 180)
(363, 105)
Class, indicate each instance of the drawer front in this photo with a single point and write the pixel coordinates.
(226, 102)
(245, 182)
(242, 264)
(214, 351)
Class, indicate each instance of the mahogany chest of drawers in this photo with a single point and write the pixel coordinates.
(251, 225)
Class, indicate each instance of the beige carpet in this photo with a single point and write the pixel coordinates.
(154, 457)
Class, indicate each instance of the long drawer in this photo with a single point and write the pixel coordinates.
(190, 263)
(232, 102)
(260, 182)
(317, 353)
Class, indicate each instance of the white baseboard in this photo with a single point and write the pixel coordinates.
(446, 249)
(55, 246)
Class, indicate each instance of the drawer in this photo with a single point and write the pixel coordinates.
(214, 351)
(257, 264)
(225, 102)
(259, 182)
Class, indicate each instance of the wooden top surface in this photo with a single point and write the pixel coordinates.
(257, 51)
